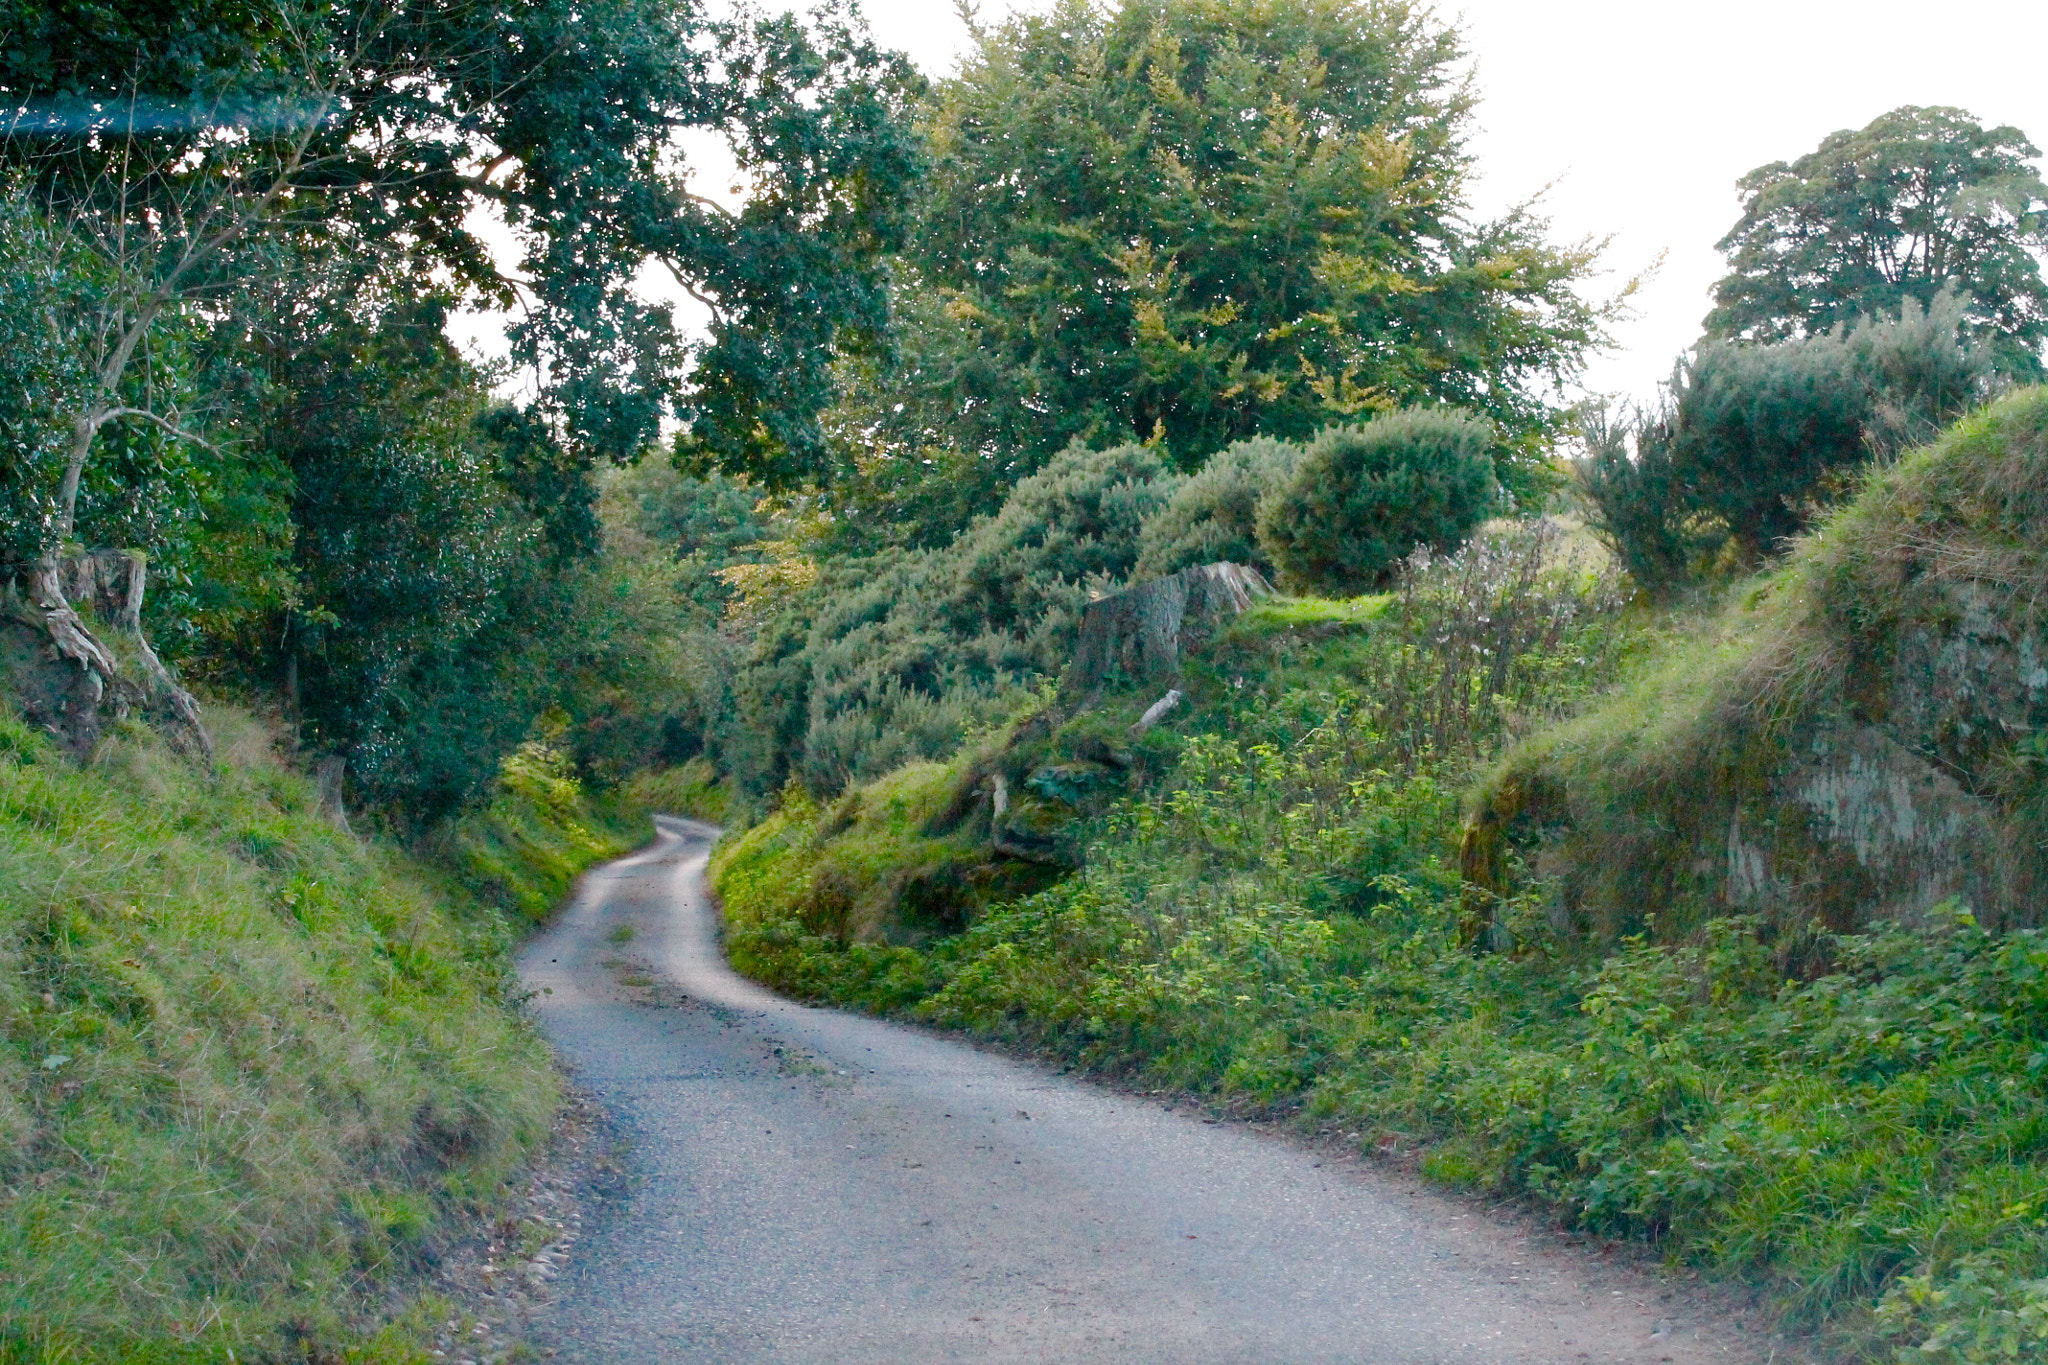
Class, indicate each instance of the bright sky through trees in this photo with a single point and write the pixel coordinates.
(1642, 116)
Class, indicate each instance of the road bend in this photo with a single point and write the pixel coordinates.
(807, 1185)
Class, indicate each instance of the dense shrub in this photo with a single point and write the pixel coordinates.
(1363, 497)
(1214, 515)
(893, 658)
(1750, 440)
(1075, 524)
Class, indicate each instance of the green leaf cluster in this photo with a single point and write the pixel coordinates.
(1189, 223)
(1919, 201)
(1752, 441)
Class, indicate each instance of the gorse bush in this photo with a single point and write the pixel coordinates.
(1363, 497)
(1213, 516)
(1751, 441)
(1073, 526)
(893, 658)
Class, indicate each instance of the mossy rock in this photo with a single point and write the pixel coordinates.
(1861, 737)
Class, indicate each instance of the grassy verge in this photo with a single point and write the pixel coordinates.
(1856, 1121)
(251, 1065)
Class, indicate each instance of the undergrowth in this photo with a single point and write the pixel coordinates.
(1857, 1122)
(252, 1065)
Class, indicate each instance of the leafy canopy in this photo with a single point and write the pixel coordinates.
(1920, 199)
(202, 146)
(1189, 222)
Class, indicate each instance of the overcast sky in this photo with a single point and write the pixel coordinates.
(1640, 114)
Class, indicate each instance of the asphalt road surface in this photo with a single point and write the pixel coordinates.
(813, 1186)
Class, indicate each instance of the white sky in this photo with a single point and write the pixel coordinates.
(1641, 115)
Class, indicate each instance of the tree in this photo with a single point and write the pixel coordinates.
(1189, 222)
(1920, 199)
(195, 168)
(191, 139)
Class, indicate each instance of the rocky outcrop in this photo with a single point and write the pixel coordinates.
(1867, 739)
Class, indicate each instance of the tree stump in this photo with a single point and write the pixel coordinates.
(1137, 637)
(62, 674)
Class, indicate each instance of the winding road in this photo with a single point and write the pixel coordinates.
(813, 1186)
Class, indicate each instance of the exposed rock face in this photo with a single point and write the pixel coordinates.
(1872, 741)
(64, 676)
(1139, 635)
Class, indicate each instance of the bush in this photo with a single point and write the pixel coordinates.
(1751, 440)
(892, 659)
(1073, 525)
(1213, 516)
(1363, 497)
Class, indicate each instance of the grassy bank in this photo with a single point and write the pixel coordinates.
(254, 1066)
(1280, 924)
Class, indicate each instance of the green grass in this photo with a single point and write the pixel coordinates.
(863, 872)
(251, 1064)
(691, 789)
(1910, 621)
(1279, 923)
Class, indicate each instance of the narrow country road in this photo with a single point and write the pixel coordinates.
(812, 1186)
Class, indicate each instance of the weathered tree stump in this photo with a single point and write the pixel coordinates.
(1138, 636)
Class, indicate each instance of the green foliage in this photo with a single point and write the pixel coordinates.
(1213, 516)
(1364, 497)
(892, 659)
(693, 789)
(251, 1066)
(1890, 215)
(1751, 441)
(1073, 526)
(523, 849)
(1908, 619)
(1188, 223)
(41, 381)
(256, 143)
(1855, 1121)
(823, 898)
(147, 491)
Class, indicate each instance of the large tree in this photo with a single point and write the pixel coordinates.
(1920, 199)
(1190, 221)
(186, 175)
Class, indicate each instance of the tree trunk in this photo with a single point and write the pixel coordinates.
(82, 429)
(68, 634)
(87, 676)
